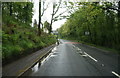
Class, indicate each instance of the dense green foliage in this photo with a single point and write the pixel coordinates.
(47, 26)
(18, 37)
(19, 11)
(92, 23)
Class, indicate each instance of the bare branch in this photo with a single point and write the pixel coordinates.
(44, 9)
(112, 9)
(58, 7)
(60, 14)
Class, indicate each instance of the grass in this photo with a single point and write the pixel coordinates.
(103, 48)
(18, 40)
(97, 46)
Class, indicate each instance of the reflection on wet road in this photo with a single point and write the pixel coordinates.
(67, 59)
(37, 66)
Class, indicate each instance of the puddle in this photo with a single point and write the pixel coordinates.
(37, 66)
(43, 61)
(54, 49)
(53, 55)
(33, 69)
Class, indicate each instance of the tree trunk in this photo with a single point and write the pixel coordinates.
(39, 31)
(26, 17)
(118, 40)
(51, 25)
(10, 6)
(52, 19)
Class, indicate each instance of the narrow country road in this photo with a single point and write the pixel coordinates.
(76, 59)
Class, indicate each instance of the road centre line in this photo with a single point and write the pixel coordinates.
(91, 57)
(116, 74)
(78, 48)
(73, 45)
(94, 60)
(86, 54)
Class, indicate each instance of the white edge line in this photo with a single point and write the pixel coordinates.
(91, 57)
(116, 74)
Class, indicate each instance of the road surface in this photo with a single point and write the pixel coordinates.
(76, 59)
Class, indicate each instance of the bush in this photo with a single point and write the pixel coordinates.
(22, 41)
(10, 51)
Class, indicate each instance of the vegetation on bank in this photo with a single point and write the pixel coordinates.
(94, 23)
(19, 38)
(112, 50)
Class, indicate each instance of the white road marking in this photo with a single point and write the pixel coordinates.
(84, 55)
(78, 48)
(73, 45)
(91, 57)
(80, 52)
(116, 74)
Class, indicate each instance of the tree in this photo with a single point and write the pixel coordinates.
(42, 9)
(47, 25)
(55, 10)
(101, 24)
(39, 30)
(17, 11)
(35, 23)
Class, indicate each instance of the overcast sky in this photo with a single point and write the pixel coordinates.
(47, 14)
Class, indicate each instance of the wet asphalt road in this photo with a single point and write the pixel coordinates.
(74, 59)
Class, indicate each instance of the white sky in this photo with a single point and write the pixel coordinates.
(47, 14)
